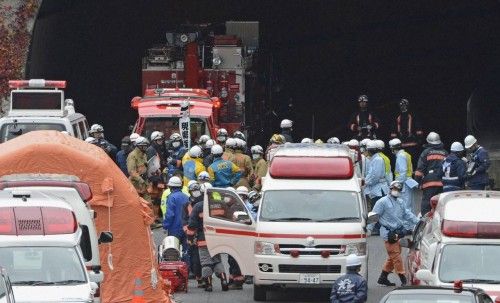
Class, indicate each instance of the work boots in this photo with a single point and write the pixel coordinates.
(201, 283)
(236, 284)
(403, 279)
(223, 282)
(383, 280)
(208, 284)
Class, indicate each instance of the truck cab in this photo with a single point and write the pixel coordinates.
(311, 217)
(39, 104)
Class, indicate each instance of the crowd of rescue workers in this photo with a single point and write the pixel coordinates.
(174, 184)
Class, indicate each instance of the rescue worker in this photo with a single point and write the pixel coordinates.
(396, 221)
(222, 136)
(364, 124)
(137, 166)
(194, 165)
(207, 155)
(407, 128)
(387, 162)
(403, 171)
(454, 169)
(158, 147)
(167, 192)
(259, 167)
(176, 153)
(357, 160)
(203, 177)
(121, 156)
(223, 173)
(351, 287)
(239, 135)
(229, 149)
(244, 162)
(97, 131)
(479, 162)
(275, 141)
(134, 137)
(286, 130)
(307, 140)
(203, 139)
(195, 196)
(318, 141)
(430, 170)
(155, 166)
(333, 140)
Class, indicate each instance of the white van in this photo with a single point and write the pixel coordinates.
(311, 217)
(39, 248)
(458, 240)
(38, 104)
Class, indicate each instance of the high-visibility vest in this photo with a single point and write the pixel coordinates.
(409, 166)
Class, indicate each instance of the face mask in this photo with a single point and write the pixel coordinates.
(196, 193)
(395, 193)
(176, 144)
(221, 139)
(255, 156)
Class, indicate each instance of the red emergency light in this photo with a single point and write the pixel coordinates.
(37, 83)
(37, 221)
(469, 229)
(338, 168)
(82, 188)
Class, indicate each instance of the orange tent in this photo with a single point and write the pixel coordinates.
(117, 204)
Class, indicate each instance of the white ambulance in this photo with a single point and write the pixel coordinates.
(39, 104)
(459, 240)
(311, 217)
(39, 249)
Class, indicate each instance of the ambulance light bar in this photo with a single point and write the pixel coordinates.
(37, 83)
(82, 188)
(340, 168)
(37, 221)
(469, 229)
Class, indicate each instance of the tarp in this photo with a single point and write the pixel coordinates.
(132, 247)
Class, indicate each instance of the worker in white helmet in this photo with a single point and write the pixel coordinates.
(388, 169)
(97, 131)
(454, 168)
(286, 130)
(479, 162)
(351, 287)
(193, 166)
(137, 165)
(403, 171)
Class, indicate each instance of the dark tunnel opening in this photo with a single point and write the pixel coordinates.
(326, 53)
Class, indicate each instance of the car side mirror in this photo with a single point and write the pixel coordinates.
(406, 243)
(424, 275)
(372, 218)
(105, 237)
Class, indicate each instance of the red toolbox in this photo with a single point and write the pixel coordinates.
(176, 272)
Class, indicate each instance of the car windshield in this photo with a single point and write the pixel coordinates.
(42, 265)
(169, 125)
(310, 205)
(430, 298)
(470, 263)
(12, 130)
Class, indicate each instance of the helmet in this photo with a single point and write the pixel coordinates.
(216, 150)
(403, 104)
(96, 128)
(277, 139)
(257, 149)
(457, 147)
(156, 135)
(141, 141)
(363, 98)
(126, 140)
(222, 132)
(319, 141)
(364, 142)
(231, 143)
(209, 143)
(333, 140)
(175, 137)
(239, 135)
(241, 144)
(395, 143)
(433, 138)
(253, 196)
(192, 186)
(380, 144)
(286, 123)
(396, 184)
(175, 182)
(352, 260)
(205, 186)
(203, 176)
(91, 140)
(371, 145)
(307, 140)
(203, 139)
(353, 143)
(195, 152)
(191, 182)
(134, 137)
(242, 190)
(469, 141)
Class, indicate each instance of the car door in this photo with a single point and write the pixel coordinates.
(226, 233)
(414, 258)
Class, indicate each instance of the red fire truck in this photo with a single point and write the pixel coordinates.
(212, 72)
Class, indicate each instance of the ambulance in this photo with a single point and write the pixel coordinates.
(459, 240)
(311, 217)
(39, 104)
(39, 249)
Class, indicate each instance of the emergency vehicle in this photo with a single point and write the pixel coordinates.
(39, 248)
(212, 71)
(6, 293)
(458, 240)
(39, 104)
(311, 217)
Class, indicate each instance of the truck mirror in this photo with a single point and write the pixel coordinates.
(372, 218)
(105, 237)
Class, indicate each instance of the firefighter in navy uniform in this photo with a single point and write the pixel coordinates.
(286, 130)
(454, 168)
(479, 162)
(408, 129)
(363, 124)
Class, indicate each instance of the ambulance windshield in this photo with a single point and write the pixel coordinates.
(310, 205)
(169, 125)
(12, 130)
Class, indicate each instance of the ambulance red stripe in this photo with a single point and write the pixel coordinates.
(272, 235)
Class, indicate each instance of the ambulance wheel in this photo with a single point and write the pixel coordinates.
(259, 293)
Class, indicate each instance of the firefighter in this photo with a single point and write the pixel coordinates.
(407, 128)
(363, 124)
(244, 162)
(333, 140)
(156, 182)
(430, 170)
(223, 173)
(307, 140)
(193, 166)
(229, 149)
(275, 141)
(137, 166)
(203, 139)
(259, 166)
(403, 171)
(195, 196)
(351, 287)
(207, 155)
(479, 162)
(121, 156)
(97, 131)
(222, 136)
(286, 130)
(454, 169)
(239, 135)
(133, 137)
(396, 221)
(176, 153)
(203, 177)
(158, 147)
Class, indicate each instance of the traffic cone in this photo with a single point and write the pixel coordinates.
(138, 292)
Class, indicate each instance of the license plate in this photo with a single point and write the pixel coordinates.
(309, 279)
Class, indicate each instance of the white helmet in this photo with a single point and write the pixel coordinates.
(257, 149)
(216, 150)
(203, 139)
(353, 143)
(286, 123)
(352, 260)
(195, 152)
(239, 135)
(203, 176)
(91, 140)
(96, 128)
(371, 145)
(242, 190)
(222, 132)
(364, 142)
(141, 141)
(469, 141)
(231, 143)
(175, 137)
(457, 147)
(333, 140)
(209, 143)
(345, 143)
(307, 140)
(240, 143)
(395, 143)
(134, 137)
(191, 182)
(156, 135)
(396, 184)
(175, 182)
(433, 138)
(380, 144)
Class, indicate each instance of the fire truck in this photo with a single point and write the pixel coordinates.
(208, 70)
